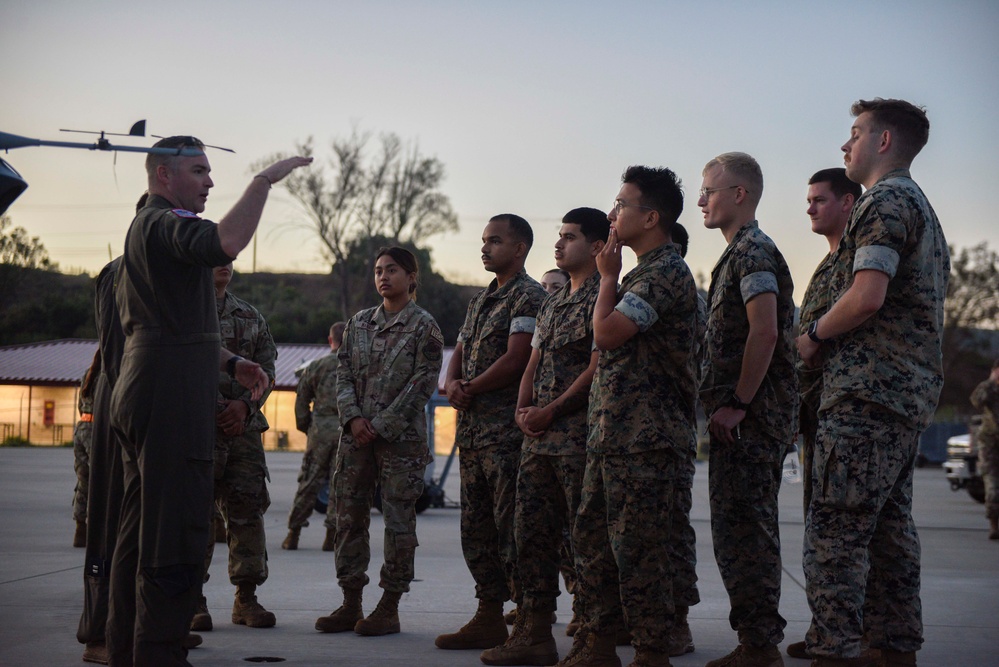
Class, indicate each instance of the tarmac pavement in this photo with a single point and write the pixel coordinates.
(41, 580)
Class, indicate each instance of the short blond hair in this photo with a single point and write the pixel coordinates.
(744, 167)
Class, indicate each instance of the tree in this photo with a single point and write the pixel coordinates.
(972, 299)
(355, 198)
(17, 253)
(16, 249)
(970, 310)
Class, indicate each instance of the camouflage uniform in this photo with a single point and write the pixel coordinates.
(551, 466)
(986, 398)
(82, 437)
(683, 539)
(489, 439)
(881, 383)
(240, 468)
(814, 305)
(389, 367)
(317, 387)
(744, 478)
(640, 429)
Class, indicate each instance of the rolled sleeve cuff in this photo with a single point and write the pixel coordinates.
(349, 414)
(877, 258)
(385, 428)
(638, 310)
(756, 284)
(520, 325)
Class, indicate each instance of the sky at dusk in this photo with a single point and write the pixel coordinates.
(534, 108)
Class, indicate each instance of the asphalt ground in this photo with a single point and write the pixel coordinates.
(41, 580)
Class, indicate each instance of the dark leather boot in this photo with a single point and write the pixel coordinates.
(346, 615)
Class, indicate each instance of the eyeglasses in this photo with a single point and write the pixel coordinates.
(619, 204)
(707, 192)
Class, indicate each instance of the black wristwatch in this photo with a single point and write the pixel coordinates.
(812, 332)
(734, 402)
(230, 365)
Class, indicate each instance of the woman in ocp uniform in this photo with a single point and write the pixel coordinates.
(390, 361)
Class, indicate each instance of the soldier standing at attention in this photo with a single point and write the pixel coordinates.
(882, 374)
(552, 281)
(163, 407)
(317, 416)
(83, 434)
(390, 362)
(240, 469)
(482, 382)
(986, 398)
(640, 425)
(683, 539)
(551, 412)
(750, 393)
(831, 196)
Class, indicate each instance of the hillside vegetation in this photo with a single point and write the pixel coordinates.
(299, 307)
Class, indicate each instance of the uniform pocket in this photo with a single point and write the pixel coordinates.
(848, 463)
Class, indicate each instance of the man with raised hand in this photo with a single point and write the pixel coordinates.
(163, 406)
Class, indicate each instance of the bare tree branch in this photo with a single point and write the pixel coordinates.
(354, 199)
(972, 300)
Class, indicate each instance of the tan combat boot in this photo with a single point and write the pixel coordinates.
(798, 650)
(247, 611)
(647, 658)
(869, 657)
(890, 658)
(510, 618)
(863, 661)
(530, 643)
(746, 655)
(384, 620)
(191, 640)
(681, 641)
(202, 621)
(591, 650)
(80, 535)
(486, 629)
(95, 652)
(291, 542)
(346, 615)
(329, 542)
